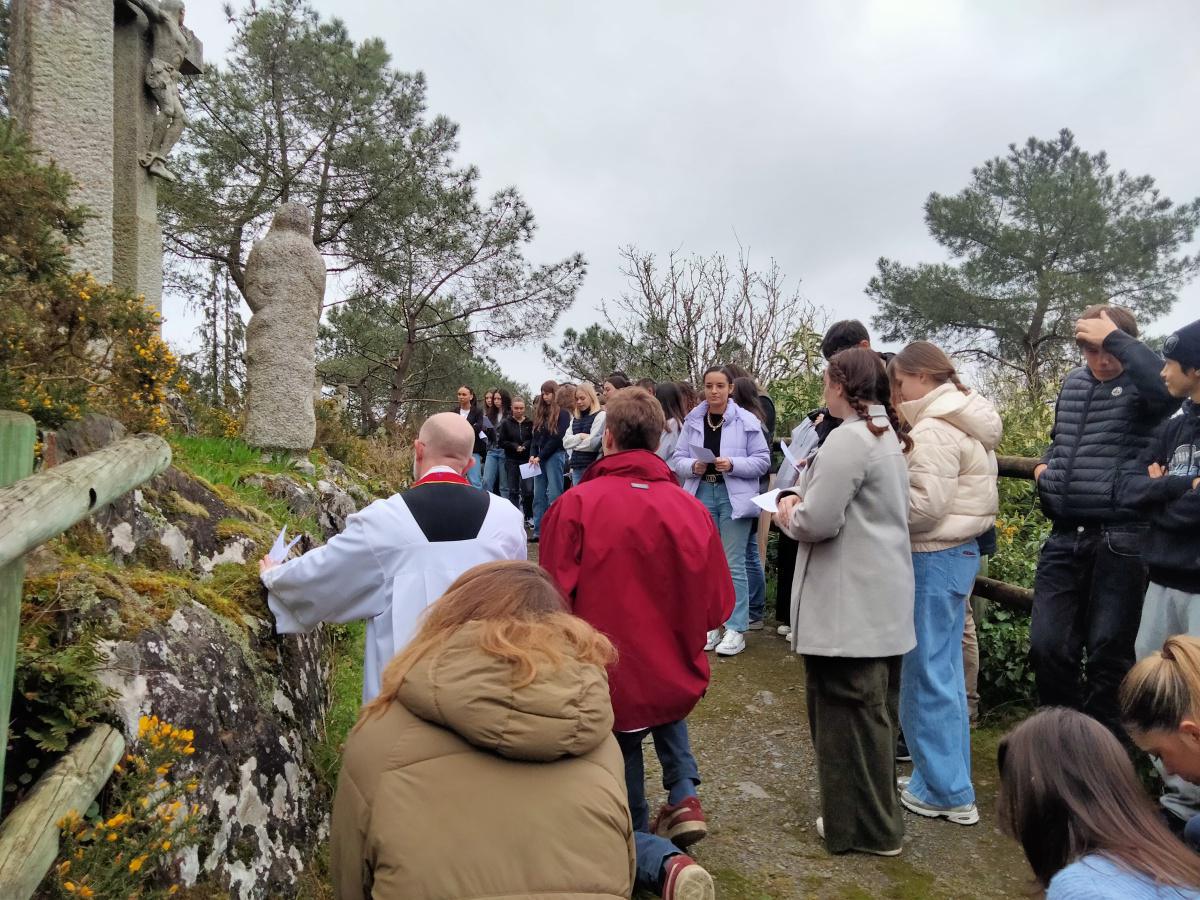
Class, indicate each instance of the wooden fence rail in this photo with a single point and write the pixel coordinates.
(33, 510)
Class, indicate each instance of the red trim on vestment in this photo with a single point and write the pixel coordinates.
(448, 477)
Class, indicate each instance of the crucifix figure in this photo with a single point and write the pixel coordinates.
(170, 48)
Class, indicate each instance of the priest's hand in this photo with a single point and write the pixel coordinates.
(266, 564)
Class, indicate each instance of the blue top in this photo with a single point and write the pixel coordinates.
(1096, 877)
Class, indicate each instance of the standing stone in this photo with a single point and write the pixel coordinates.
(285, 287)
(80, 91)
(62, 97)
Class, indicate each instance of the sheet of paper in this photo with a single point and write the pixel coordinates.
(482, 436)
(529, 470)
(787, 452)
(767, 502)
(282, 546)
(702, 454)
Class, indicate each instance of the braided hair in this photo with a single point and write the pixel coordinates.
(858, 371)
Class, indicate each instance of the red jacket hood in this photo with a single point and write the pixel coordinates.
(640, 464)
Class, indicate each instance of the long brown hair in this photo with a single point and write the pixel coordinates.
(745, 395)
(924, 358)
(545, 415)
(525, 622)
(1068, 789)
(858, 370)
(1164, 688)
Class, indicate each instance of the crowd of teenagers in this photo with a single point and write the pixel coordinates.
(499, 752)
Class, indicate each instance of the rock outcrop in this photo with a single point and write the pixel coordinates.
(164, 581)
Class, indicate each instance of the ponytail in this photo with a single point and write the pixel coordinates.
(1163, 689)
(858, 370)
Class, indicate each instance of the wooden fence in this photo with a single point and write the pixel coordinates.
(34, 509)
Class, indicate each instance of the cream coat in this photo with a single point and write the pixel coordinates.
(951, 467)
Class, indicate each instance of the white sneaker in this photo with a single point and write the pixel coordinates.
(821, 835)
(714, 638)
(732, 644)
(784, 631)
(967, 814)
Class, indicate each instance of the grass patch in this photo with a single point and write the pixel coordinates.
(345, 698)
(225, 460)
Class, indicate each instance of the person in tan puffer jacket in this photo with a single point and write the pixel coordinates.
(486, 767)
(953, 499)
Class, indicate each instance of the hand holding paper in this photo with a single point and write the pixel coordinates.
(529, 470)
(702, 454)
(280, 549)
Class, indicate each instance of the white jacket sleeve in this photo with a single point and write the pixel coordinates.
(933, 465)
(339, 582)
(837, 472)
(587, 441)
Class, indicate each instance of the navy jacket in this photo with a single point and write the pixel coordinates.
(1100, 427)
(545, 442)
(1172, 545)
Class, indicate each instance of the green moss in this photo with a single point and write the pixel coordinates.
(908, 882)
(734, 885)
(184, 506)
(227, 529)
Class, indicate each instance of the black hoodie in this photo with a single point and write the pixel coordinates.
(1172, 547)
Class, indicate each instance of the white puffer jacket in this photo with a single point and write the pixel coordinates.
(951, 467)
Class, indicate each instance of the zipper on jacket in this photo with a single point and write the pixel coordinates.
(1087, 406)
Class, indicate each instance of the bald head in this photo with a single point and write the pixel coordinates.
(446, 439)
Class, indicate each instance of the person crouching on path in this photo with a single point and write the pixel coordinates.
(398, 555)
(733, 438)
(953, 499)
(852, 604)
(486, 767)
(643, 562)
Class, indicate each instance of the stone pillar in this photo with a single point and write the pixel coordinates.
(62, 96)
(136, 236)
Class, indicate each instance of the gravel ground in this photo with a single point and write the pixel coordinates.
(750, 735)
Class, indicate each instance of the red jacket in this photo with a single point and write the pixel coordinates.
(641, 560)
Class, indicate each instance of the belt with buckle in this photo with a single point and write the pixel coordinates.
(713, 479)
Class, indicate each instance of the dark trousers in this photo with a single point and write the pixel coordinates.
(785, 569)
(520, 491)
(1087, 597)
(853, 716)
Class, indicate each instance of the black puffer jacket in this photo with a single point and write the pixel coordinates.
(1099, 427)
(1172, 545)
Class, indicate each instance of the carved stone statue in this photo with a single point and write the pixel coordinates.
(171, 45)
(285, 287)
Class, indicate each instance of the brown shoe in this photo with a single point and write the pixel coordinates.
(682, 824)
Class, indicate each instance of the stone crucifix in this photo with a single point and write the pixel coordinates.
(171, 44)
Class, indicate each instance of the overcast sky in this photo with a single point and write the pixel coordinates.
(814, 131)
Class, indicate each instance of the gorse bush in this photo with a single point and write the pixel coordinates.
(68, 343)
(130, 850)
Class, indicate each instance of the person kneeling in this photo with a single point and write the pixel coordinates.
(486, 767)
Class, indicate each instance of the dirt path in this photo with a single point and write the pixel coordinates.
(760, 793)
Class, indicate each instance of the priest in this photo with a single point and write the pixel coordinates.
(398, 555)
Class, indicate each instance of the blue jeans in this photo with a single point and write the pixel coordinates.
(680, 777)
(756, 578)
(475, 473)
(547, 487)
(933, 697)
(715, 498)
(577, 476)
(495, 478)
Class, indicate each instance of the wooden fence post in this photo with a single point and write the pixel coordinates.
(17, 436)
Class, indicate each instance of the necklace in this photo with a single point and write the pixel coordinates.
(711, 426)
